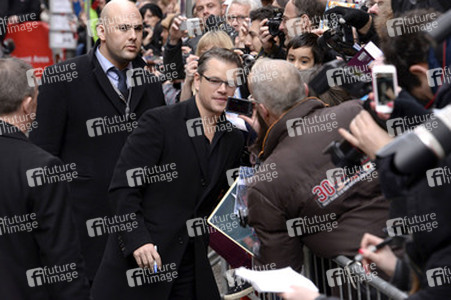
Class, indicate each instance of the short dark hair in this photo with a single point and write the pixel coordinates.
(314, 9)
(14, 85)
(407, 49)
(222, 54)
(308, 40)
(262, 13)
(154, 9)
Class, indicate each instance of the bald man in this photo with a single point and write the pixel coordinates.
(86, 110)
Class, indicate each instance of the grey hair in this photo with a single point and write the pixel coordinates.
(253, 4)
(277, 84)
(14, 85)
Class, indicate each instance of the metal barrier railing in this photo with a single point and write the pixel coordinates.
(315, 268)
(367, 288)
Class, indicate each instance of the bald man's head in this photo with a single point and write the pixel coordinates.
(277, 84)
(120, 32)
(117, 9)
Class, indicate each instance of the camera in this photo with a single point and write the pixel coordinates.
(274, 24)
(421, 148)
(248, 61)
(340, 38)
(344, 154)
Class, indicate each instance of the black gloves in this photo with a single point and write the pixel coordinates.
(354, 17)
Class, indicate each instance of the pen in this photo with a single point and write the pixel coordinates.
(373, 248)
(155, 266)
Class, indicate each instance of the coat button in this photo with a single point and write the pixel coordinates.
(203, 182)
(180, 241)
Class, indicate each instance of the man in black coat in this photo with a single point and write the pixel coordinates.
(40, 255)
(85, 112)
(170, 175)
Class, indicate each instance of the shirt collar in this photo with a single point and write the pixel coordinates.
(105, 63)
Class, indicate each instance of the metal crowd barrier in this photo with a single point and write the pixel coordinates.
(370, 288)
(315, 269)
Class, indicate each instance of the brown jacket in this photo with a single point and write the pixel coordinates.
(302, 190)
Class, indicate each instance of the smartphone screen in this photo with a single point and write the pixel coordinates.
(386, 89)
(239, 106)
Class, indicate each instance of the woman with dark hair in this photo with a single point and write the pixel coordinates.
(152, 16)
(304, 52)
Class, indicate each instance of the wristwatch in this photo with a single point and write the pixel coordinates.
(321, 297)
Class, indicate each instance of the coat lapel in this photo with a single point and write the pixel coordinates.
(138, 90)
(105, 83)
(197, 141)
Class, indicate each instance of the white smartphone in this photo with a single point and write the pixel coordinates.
(385, 84)
(194, 27)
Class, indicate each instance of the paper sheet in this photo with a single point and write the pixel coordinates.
(275, 281)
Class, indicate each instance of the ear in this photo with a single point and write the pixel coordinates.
(306, 89)
(306, 21)
(196, 81)
(101, 32)
(419, 69)
(264, 112)
(28, 106)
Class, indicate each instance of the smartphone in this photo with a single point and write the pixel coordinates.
(193, 26)
(239, 106)
(385, 85)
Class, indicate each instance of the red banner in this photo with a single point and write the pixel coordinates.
(32, 43)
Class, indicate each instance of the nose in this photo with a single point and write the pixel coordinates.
(374, 9)
(298, 65)
(282, 26)
(133, 34)
(222, 88)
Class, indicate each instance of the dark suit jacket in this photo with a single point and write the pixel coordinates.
(24, 244)
(164, 207)
(64, 108)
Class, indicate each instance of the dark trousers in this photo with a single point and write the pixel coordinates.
(184, 286)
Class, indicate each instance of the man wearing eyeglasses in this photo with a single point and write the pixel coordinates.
(304, 15)
(193, 142)
(238, 13)
(237, 16)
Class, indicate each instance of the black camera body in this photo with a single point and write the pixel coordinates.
(274, 24)
(340, 38)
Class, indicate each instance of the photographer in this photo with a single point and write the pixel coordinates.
(257, 16)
